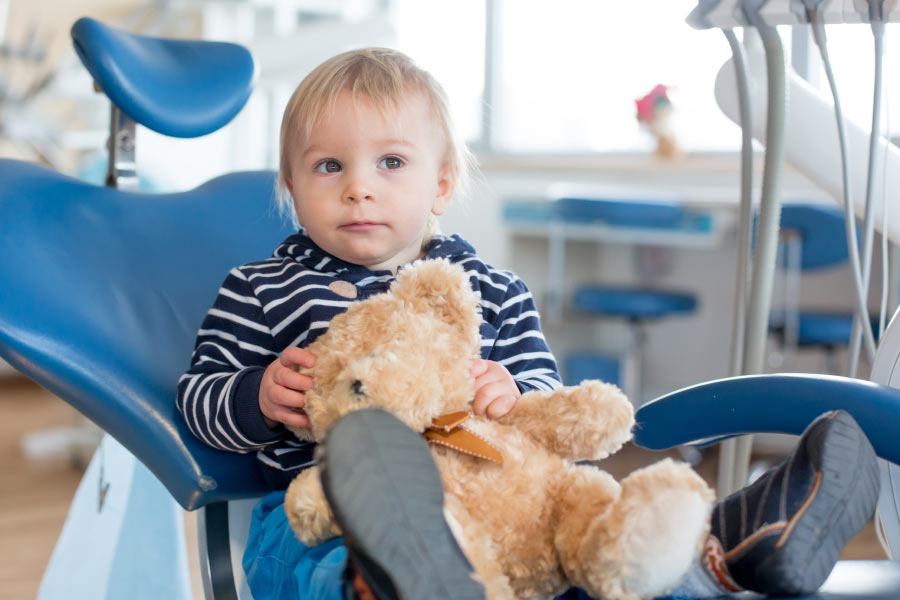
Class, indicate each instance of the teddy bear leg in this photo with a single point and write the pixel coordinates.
(479, 548)
(645, 542)
(307, 509)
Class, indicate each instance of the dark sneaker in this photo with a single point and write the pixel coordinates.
(386, 495)
(783, 534)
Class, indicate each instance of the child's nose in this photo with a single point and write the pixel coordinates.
(358, 189)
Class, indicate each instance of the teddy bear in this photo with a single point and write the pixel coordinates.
(531, 520)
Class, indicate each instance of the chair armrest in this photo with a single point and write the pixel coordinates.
(781, 403)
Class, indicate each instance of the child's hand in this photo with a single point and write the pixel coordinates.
(496, 391)
(282, 390)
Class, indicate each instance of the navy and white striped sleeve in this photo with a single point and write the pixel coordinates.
(520, 345)
(234, 345)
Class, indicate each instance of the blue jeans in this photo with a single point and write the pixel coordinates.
(281, 567)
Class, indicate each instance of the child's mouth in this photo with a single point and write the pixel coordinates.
(360, 226)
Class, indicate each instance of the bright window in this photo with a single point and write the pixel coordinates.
(571, 70)
(447, 39)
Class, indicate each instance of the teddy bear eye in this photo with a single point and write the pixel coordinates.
(357, 388)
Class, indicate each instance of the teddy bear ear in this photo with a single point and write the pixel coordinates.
(439, 286)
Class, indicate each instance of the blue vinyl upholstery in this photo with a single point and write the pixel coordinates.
(822, 233)
(621, 212)
(181, 88)
(631, 303)
(104, 292)
(782, 403)
(824, 329)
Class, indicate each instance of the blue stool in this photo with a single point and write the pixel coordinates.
(813, 238)
(637, 305)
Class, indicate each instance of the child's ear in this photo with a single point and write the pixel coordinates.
(446, 185)
(289, 185)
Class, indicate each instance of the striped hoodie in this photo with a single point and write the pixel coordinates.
(263, 307)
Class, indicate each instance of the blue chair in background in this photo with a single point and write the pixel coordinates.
(105, 290)
(637, 306)
(813, 239)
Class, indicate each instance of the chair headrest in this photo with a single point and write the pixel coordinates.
(181, 88)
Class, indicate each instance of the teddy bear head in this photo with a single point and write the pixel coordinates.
(408, 351)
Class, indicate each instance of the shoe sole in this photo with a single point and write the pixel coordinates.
(808, 549)
(386, 493)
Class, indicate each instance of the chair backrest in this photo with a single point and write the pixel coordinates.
(822, 233)
(103, 293)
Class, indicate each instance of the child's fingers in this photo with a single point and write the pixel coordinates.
(291, 379)
(500, 406)
(491, 374)
(292, 418)
(285, 397)
(487, 394)
(292, 356)
(479, 367)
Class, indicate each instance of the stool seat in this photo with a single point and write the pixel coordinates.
(179, 88)
(632, 303)
(821, 328)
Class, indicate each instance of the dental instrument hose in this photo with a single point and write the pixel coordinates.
(886, 254)
(738, 327)
(818, 31)
(861, 322)
(767, 225)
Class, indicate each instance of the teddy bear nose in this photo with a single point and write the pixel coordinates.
(357, 388)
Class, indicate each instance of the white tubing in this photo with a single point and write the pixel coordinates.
(811, 138)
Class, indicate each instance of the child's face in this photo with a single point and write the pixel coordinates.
(364, 183)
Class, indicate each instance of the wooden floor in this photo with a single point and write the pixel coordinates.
(35, 494)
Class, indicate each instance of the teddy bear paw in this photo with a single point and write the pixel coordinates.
(307, 510)
(666, 509)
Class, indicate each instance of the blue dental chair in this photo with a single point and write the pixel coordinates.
(104, 290)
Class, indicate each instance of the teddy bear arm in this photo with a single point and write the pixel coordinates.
(587, 421)
(307, 509)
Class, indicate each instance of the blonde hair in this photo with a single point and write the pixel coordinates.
(384, 77)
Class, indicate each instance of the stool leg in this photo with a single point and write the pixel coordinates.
(832, 367)
(633, 366)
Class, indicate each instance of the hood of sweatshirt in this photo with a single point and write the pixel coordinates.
(302, 249)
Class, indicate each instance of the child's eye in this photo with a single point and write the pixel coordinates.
(328, 166)
(390, 162)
